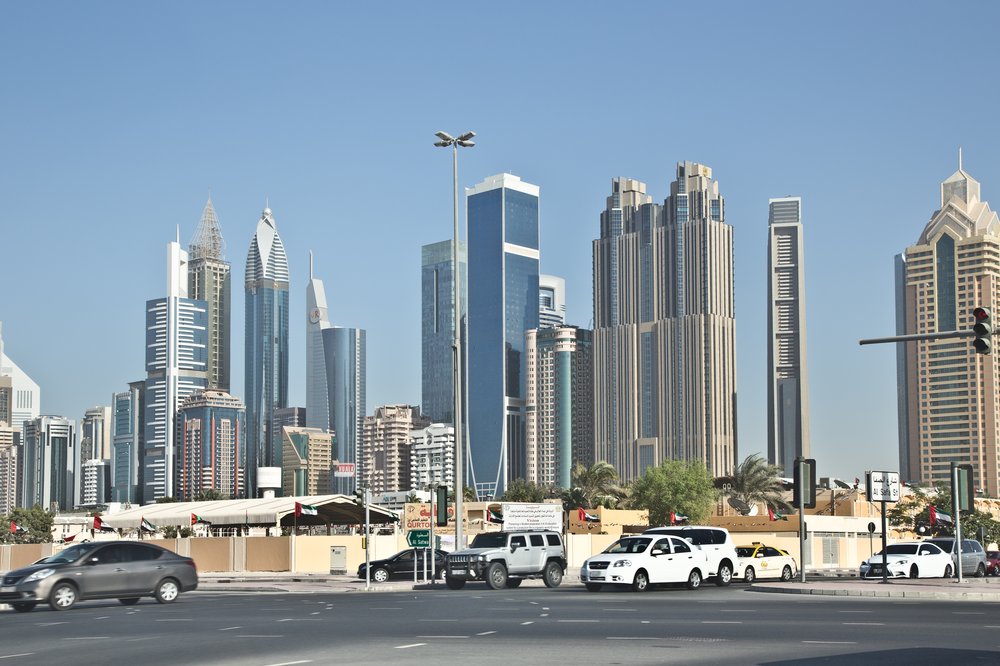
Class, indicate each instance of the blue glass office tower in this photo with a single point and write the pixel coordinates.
(502, 214)
(127, 438)
(438, 329)
(344, 350)
(266, 365)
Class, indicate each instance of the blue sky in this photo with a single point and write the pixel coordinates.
(118, 118)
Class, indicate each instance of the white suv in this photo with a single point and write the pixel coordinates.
(716, 543)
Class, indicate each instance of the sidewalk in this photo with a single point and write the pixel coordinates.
(970, 589)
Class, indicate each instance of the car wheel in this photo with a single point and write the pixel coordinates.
(981, 570)
(694, 579)
(750, 576)
(996, 569)
(553, 574)
(63, 596)
(593, 587)
(23, 606)
(947, 571)
(786, 573)
(167, 591)
(641, 581)
(380, 575)
(914, 572)
(496, 576)
(725, 575)
(454, 583)
(129, 601)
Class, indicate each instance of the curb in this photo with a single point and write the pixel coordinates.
(898, 593)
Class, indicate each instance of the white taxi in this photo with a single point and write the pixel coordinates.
(644, 560)
(760, 561)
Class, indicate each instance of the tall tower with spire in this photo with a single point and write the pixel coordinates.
(208, 280)
(947, 407)
(317, 319)
(266, 365)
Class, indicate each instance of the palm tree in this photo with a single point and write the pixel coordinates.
(754, 480)
(594, 486)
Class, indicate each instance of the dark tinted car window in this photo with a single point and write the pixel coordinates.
(771, 552)
(113, 554)
(518, 541)
(553, 539)
(537, 540)
(139, 553)
(405, 555)
(681, 546)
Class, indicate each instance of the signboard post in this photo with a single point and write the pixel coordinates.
(883, 487)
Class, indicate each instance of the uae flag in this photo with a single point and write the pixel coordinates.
(774, 515)
(676, 518)
(195, 519)
(146, 526)
(936, 516)
(587, 517)
(305, 510)
(16, 529)
(69, 538)
(494, 516)
(99, 525)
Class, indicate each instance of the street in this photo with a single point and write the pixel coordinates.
(530, 625)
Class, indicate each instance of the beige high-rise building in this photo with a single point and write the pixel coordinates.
(9, 438)
(950, 412)
(664, 327)
(208, 280)
(384, 461)
(306, 461)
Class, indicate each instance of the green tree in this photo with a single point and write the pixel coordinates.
(36, 520)
(521, 490)
(674, 487)
(171, 532)
(753, 481)
(913, 513)
(210, 495)
(166, 500)
(412, 498)
(594, 486)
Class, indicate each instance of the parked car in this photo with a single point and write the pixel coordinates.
(912, 559)
(505, 559)
(126, 570)
(644, 560)
(403, 563)
(973, 554)
(993, 562)
(761, 561)
(715, 542)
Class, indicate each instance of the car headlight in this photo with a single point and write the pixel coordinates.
(481, 558)
(39, 575)
(622, 563)
(901, 562)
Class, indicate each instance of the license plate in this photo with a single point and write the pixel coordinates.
(459, 572)
(875, 570)
(596, 577)
(7, 589)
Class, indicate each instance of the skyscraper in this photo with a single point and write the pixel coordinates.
(437, 309)
(211, 451)
(384, 463)
(951, 406)
(176, 367)
(307, 461)
(208, 280)
(344, 349)
(266, 367)
(551, 301)
(503, 305)
(560, 403)
(664, 327)
(95, 444)
(10, 443)
(432, 456)
(20, 397)
(127, 436)
(317, 384)
(49, 474)
(787, 388)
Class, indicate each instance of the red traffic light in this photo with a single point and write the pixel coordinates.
(981, 314)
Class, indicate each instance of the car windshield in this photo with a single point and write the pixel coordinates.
(628, 545)
(744, 551)
(900, 549)
(71, 554)
(489, 540)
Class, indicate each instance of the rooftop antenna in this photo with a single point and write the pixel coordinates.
(310, 264)
(178, 234)
(960, 158)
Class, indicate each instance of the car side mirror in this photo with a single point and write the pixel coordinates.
(93, 560)
(513, 547)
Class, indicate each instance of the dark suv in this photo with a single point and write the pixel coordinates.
(973, 555)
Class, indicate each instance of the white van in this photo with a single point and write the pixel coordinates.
(716, 543)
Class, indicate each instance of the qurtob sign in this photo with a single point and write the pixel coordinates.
(531, 516)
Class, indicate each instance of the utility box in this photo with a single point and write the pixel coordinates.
(338, 559)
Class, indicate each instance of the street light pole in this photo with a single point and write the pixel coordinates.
(465, 140)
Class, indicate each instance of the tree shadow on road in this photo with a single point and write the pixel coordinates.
(908, 656)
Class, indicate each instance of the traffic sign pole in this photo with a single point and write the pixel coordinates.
(802, 518)
(885, 564)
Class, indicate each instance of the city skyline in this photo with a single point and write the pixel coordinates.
(73, 180)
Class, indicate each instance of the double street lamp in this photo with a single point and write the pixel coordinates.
(465, 141)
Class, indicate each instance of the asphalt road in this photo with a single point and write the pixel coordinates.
(531, 625)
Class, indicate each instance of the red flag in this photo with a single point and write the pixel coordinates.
(932, 514)
(673, 518)
(69, 538)
(770, 513)
(13, 527)
(98, 525)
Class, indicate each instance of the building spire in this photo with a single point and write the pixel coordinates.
(960, 158)
(310, 264)
(207, 242)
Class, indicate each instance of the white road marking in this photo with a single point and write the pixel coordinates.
(619, 610)
(545, 608)
(544, 615)
(316, 613)
(864, 624)
(533, 603)
(645, 622)
(438, 619)
(832, 642)
(722, 621)
(403, 647)
(291, 663)
(87, 638)
(528, 622)
(22, 654)
(632, 638)
(135, 640)
(104, 617)
(485, 633)
(260, 635)
(48, 624)
(441, 636)
(230, 628)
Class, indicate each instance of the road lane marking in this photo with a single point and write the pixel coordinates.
(87, 638)
(441, 636)
(300, 619)
(135, 640)
(632, 638)
(175, 619)
(864, 624)
(722, 621)
(376, 608)
(438, 619)
(533, 603)
(619, 610)
(292, 663)
(831, 642)
(403, 647)
(260, 635)
(544, 615)
(968, 613)
(577, 621)
(104, 617)
(230, 628)
(528, 622)
(22, 654)
(48, 624)
(485, 633)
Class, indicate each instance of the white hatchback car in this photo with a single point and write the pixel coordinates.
(911, 559)
(644, 560)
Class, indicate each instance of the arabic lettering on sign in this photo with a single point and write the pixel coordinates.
(525, 516)
(419, 517)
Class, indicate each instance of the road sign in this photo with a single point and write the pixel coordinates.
(883, 486)
(419, 538)
(871, 528)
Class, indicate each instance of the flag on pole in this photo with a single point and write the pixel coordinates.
(587, 517)
(146, 526)
(195, 519)
(305, 510)
(936, 516)
(774, 515)
(494, 516)
(16, 529)
(99, 525)
(69, 538)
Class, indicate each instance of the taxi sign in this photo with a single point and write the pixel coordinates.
(883, 486)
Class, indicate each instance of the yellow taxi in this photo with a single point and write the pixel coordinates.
(762, 561)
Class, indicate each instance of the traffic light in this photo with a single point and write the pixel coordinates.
(805, 488)
(359, 497)
(966, 490)
(441, 513)
(983, 329)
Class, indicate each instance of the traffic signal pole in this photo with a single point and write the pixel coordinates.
(941, 335)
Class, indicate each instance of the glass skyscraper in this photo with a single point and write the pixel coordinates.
(344, 349)
(208, 280)
(437, 288)
(49, 475)
(266, 366)
(502, 214)
(211, 450)
(127, 409)
(317, 319)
